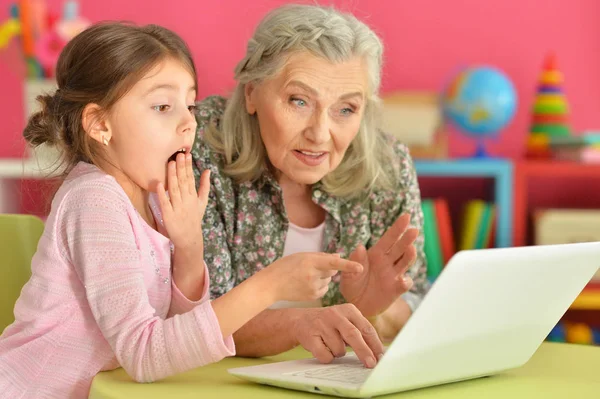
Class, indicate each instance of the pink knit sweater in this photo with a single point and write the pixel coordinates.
(100, 297)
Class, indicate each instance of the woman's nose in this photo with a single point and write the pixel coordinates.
(319, 129)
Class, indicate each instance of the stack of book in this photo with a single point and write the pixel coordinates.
(584, 148)
(478, 224)
(476, 231)
(439, 238)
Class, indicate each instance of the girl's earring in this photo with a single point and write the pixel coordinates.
(104, 140)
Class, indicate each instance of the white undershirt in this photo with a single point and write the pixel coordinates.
(300, 239)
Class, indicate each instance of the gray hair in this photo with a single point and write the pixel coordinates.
(334, 36)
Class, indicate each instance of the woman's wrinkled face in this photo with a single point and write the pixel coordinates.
(309, 114)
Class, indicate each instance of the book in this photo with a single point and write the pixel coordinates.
(432, 243)
(485, 227)
(472, 216)
(562, 226)
(444, 224)
(413, 117)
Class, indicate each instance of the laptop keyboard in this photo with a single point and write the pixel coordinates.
(349, 373)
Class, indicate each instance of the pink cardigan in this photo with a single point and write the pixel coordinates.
(101, 296)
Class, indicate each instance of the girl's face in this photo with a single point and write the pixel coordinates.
(151, 123)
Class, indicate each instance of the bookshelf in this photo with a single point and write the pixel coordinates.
(498, 169)
(548, 172)
(512, 189)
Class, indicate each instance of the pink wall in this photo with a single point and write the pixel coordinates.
(424, 40)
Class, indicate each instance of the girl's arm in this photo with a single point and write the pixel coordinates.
(99, 239)
(102, 247)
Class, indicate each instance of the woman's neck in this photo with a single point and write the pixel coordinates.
(301, 209)
(293, 189)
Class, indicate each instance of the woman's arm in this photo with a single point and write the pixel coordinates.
(325, 332)
(269, 333)
(412, 206)
(391, 321)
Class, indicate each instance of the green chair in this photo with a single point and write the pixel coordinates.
(19, 235)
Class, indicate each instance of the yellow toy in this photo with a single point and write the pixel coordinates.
(8, 30)
(579, 333)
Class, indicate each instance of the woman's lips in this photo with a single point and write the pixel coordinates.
(310, 158)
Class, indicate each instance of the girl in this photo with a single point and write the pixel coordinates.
(118, 278)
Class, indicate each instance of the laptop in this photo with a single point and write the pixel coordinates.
(488, 311)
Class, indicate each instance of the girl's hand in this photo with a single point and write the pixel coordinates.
(305, 276)
(182, 213)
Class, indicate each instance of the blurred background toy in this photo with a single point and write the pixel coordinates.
(557, 334)
(550, 114)
(574, 333)
(42, 35)
(8, 30)
(71, 23)
(579, 333)
(480, 101)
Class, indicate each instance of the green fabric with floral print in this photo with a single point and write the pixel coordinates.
(245, 225)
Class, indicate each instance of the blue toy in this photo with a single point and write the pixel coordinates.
(480, 101)
(596, 335)
(558, 334)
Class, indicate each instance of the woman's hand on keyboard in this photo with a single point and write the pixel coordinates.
(326, 332)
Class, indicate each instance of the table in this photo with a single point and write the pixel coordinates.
(555, 371)
(501, 170)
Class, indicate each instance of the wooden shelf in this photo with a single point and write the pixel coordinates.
(19, 169)
(558, 169)
(500, 170)
(589, 299)
(551, 169)
(42, 162)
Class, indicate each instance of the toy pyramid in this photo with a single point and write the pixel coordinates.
(550, 111)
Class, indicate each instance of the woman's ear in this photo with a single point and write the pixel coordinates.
(249, 90)
(95, 125)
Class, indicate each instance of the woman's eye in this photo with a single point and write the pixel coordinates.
(298, 101)
(192, 108)
(161, 108)
(347, 111)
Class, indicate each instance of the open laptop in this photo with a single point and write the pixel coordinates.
(487, 312)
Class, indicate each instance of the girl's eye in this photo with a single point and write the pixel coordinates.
(347, 111)
(192, 108)
(161, 108)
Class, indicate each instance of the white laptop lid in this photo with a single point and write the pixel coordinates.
(488, 311)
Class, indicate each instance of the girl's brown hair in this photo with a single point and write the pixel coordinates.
(98, 66)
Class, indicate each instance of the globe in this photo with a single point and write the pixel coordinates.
(480, 102)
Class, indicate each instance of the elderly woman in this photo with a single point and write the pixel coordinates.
(298, 165)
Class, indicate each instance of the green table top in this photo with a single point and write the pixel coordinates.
(562, 371)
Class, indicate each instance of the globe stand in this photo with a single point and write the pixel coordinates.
(480, 152)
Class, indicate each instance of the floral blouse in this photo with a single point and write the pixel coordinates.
(245, 225)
